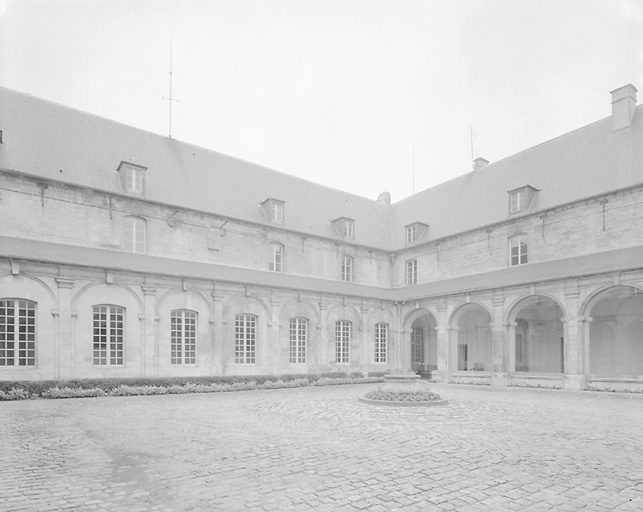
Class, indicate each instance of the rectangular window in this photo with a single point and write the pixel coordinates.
(518, 250)
(134, 180)
(518, 201)
(245, 339)
(134, 235)
(347, 269)
(276, 212)
(411, 272)
(183, 336)
(381, 342)
(17, 332)
(298, 340)
(277, 258)
(108, 335)
(411, 234)
(348, 229)
(417, 345)
(342, 341)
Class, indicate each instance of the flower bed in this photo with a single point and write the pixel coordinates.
(163, 386)
(404, 398)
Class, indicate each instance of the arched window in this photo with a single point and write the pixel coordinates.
(342, 341)
(381, 342)
(134, 239)
(17, 332)
(245, 339)
(277, 258)
(183, 336)
(298, 340)
(109, 324)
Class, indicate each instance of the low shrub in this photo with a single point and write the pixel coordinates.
(388, 396)
(14, 394)
(72, 393)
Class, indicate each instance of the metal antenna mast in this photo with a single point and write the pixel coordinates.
(169, 98)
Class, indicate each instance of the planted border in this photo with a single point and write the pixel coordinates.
(85, 388)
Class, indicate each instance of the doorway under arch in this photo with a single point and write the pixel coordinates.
(538, 336)
(615, 344)
(423, 344)
(474, 349)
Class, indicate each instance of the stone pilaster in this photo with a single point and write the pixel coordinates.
(324, 357)
(366, 355)
(64, 349)
(274, 359)
(573, 343)
(499, 354)
(443, 373)
(217, 347)
(149, 344)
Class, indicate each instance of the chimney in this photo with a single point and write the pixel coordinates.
(384, 197)
(623, 106)
(479, 163)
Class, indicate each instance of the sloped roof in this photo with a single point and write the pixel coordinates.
(49, 252)
(585, 162)
(621, 260)
(42, 138)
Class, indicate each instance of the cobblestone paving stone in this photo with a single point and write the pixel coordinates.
(319, 449)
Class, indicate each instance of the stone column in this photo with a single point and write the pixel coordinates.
(443, 374)
(366, 355)
(217, 344)
(499, 342)
(274, 353)
(149, 359)
(64, 343)
(323, 336)
(573, 346)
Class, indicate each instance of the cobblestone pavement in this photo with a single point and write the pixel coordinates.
(319, 449)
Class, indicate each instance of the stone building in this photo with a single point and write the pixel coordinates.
(125, 254)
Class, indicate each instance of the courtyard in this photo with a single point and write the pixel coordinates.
(319, 449)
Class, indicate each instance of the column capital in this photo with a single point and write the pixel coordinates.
(498, 301)
(149, 290)
(572, 294)
(217, 297)
(64, 282)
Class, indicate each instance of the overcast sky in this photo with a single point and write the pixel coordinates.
(352, 94)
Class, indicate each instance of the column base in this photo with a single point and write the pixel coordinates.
(575, 382)
(499, 379)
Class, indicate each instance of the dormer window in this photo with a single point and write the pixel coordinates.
(520, 199)
(345, 227)
(414, 232)
(132, 177)
(274, 210)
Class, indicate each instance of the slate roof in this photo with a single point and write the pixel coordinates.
(585, 162)
(41, 138)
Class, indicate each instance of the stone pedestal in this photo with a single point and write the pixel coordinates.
(404, 383)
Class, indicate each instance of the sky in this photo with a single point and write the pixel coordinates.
(365, 96)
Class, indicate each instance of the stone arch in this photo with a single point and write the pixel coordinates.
(173, 300)
(98, 294)
(290, 359)
(87, 287)
(537, 332)
(374, 353)
(27, 287)
(471, 347)
(614, 322)
(338, 313)
(419, 345)
(255, 307)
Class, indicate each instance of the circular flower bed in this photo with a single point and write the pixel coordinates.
(417, 398)
(390, 396)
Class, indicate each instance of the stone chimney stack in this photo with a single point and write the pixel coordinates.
(479, 163)
(384, 197)
(623, 106)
